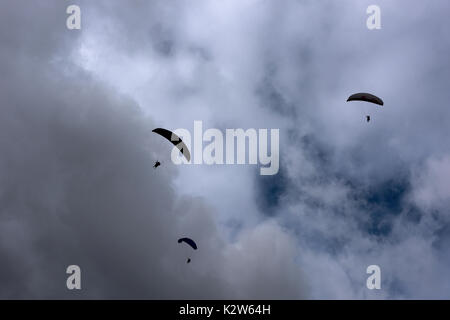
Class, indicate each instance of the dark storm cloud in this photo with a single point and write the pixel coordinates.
(77, 187)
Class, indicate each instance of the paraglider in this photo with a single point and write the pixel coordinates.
(367, 97)
(176, 141)
(189, 242)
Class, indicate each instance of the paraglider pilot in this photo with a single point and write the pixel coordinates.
(157, 164)
(189, 242)
(368, 118)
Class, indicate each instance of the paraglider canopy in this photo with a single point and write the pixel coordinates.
(362, 96)
(176, 141)
(189, 242)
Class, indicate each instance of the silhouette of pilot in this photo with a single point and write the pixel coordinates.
(157, 164)
(368, 118)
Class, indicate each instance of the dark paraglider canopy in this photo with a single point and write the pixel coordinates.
(365, 97)
(189, 242)
(176, 141)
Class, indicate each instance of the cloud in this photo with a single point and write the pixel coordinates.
(78, 187)
(432, 186)
(76, 183)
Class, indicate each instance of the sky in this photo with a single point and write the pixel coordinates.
(77, 187)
